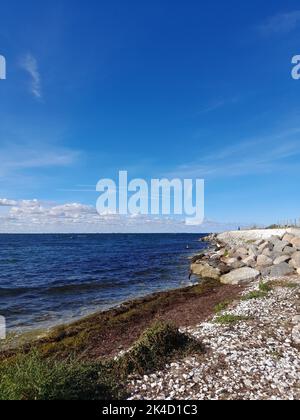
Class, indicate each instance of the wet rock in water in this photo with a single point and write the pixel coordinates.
(240, 276)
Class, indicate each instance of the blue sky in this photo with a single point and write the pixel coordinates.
(160, 88)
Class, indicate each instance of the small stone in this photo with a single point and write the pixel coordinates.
(296, 335)
(247, 383)
(296, 320)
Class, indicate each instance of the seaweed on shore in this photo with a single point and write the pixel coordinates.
(88, 337)
(158, 345)
(31, 376)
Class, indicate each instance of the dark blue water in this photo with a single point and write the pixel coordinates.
(51, 279)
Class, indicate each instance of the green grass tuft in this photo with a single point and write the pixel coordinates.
(255, 295)
(283, 283)
(158, 345)
(228, 319)
(31, 377)
(264, 287)
(222, 306)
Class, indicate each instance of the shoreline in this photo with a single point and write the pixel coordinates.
(20, 335)
(245, 319)
(50, 296)
(105, 333)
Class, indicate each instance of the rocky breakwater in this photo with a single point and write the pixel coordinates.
(235, 259)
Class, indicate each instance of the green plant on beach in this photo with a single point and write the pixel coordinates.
(264, 287)
(257, 294)
(31, 377)
(283, 283)
(228, 319)
(155, 348)
(222, 306)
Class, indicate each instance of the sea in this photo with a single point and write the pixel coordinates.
(46, 280)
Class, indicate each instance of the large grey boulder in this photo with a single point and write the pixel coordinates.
(281, 270)
(230, 260)
(253, 251)
(206, 271)
(274, 239)
(264, 246)
(238, 264)
(288, 238)
(264, 261)
(296, 260)
(282, 259)
(279, 246)
(267, 252)
(265, 271)
(296, 243)
(241, 252)
(288, 250)
(249, 261)
(240, 276)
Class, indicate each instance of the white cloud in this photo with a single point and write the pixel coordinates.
(4, 202)
(30, 65)
(34, 216)
(218, 104)
(17, 158)
(254, 157)
(280, 23)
